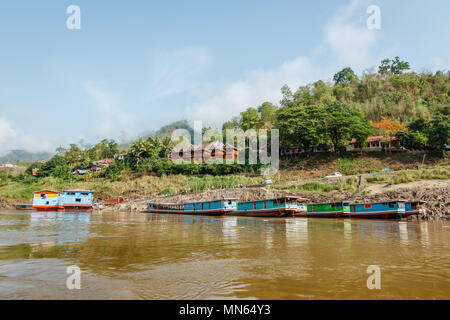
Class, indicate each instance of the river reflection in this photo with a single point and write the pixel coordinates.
(151, 256)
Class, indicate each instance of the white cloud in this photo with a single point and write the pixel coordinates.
(438, 64)
(347, 37)
(175, 72)
(111, 118)
(346, 40)
(257, 86)
(11, 139)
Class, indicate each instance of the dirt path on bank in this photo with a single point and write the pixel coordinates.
(376, 188)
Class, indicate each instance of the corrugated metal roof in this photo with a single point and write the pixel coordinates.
(47, 191)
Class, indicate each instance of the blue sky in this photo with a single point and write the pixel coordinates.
(137, 65)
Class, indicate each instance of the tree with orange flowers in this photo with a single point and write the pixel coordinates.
(388, 128)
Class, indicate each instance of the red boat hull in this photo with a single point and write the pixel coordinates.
(394, 214)
(46, 208)
(414, 212)
(77, 208)
(319, 214)
(266, 213)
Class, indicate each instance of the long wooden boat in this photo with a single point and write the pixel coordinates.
(380, 210)
(77, 200)
(69, 200)
(325, 210)
(207, 208)
(413, 208)
(278, 207)
(46, 200)
(23, 206)
(116, 200)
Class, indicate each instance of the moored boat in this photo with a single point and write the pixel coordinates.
(278, 207)
(77, 200)
(209, 208)
(69, 200)
(116, 200)
(413, 208)
(380, 210)
(325, 210)
(23, 206)
(46, 200)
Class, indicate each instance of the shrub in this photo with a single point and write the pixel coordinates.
(378, 179)
(346, 166)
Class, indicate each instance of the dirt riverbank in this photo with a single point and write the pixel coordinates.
(436, 197)
(434, 192)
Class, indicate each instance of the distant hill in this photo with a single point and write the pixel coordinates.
(166, 131)
(22, 155)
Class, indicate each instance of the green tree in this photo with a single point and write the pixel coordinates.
(323, 93)
(232, 124)
(250, 119)
(421, 125)
(62, 172)
(267, 113)
(288, 97)
(301, 126)
(140, 149)
(413, 140)
(343, 123)
(439, 133)
(304, 96)
(47, 169)
(395, 66)
(345, 75)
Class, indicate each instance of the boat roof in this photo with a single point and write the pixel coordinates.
(331, 202)
(279, 198)
(377, 202)
(77, 190)
(48, 191)
(216, 200)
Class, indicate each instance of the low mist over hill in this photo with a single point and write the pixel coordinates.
(22, 155)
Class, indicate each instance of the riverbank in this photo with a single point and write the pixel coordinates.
(305, 178)
(434, 193)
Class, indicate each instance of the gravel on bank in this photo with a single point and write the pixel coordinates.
(437, 199)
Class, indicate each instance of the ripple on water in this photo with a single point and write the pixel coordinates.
(182, 257)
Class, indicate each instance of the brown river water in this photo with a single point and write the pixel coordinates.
(149, 256)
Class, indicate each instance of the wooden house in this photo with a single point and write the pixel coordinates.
(205, 153)
(375, 143)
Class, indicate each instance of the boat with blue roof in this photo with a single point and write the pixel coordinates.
(210, 208)
(413, 208)
(325, 210)
(378, 210)
(279, 207)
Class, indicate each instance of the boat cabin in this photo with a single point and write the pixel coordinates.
(397, 206)
(46, 200)
(277, 203)
(378, 207)
(211, 205)
(166, 206)
(332, 207)
(77, 199)
(414, 207)
(215, 207)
